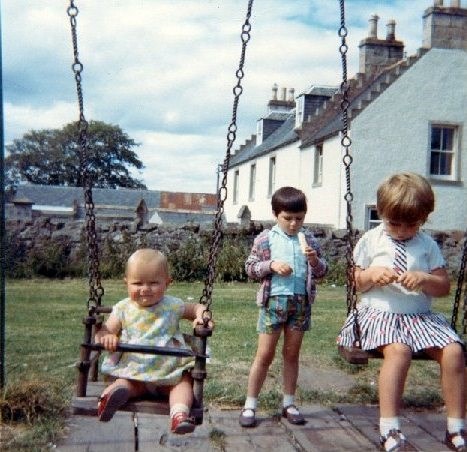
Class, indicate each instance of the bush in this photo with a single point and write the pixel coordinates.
(189, 261)
(15, 256)
(49, 258)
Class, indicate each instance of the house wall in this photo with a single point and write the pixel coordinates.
(392, 134)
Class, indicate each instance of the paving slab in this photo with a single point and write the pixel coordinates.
(343, 427)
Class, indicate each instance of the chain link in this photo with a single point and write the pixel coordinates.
(347, 160)
(206, 297)
(96, 291)
(457, 298)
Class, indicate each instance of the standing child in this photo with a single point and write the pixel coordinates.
(398, 270)
(148, 317)
(287, 272)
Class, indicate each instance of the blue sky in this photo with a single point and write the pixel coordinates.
(164, 70)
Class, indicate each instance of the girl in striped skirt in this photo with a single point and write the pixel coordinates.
(398, 271)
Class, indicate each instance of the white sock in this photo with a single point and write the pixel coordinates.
(288, 399)
(388, 423)
(455, 424)
(251, 404)
(179, 408)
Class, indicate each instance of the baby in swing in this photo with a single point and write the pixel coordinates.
(399, 269)
(148, 317)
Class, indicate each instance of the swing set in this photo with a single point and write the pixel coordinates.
(88, 388)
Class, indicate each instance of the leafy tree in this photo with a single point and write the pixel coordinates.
(51, 157)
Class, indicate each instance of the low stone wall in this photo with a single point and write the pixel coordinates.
(168, 238)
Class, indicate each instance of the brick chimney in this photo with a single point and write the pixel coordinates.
(445, 27)
(377, 53)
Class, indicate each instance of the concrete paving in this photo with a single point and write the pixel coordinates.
(341, 428)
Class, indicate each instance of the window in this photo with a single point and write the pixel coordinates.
(443, 152)
(251, 191)
(300, 111)
(371, 217)
(259, 132)
(272, 176)
(318, 166)
(235, 187)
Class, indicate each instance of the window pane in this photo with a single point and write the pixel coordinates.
(434, 164)
(435, 138)
(445, 164)
(447, 139)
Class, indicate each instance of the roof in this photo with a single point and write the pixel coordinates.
(283, 135)
(363, 89)
(53, 195)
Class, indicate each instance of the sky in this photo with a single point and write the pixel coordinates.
(164, 70)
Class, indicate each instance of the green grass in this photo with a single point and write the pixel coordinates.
(44, 329)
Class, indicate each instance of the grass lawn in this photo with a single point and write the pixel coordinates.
(44, 329)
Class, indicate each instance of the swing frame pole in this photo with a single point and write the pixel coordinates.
(2, 232)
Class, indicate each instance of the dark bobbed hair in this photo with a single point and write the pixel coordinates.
(405, 197)
(288, 199)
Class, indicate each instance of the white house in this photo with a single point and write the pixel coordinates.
(406, 114)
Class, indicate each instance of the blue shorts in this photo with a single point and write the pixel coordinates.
(292, 311)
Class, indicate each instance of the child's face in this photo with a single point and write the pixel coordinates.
(146, 284)
(401, 231)
(290, 222)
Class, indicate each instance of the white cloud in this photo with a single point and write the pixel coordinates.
(164, 70)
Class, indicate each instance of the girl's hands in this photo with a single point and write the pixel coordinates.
(108, 340)
(382, 276)
(412, 280)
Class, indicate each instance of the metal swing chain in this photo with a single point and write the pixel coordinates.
(96, 291)
(206, 297)
(347, 160)
(457, 298)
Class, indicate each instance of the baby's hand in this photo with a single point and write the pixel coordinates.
(382, 276)
(281, 268)
(412, 280)
(109, 341)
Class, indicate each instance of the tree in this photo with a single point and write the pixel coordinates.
(51, 157)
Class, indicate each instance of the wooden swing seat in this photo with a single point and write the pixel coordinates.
(88, 392)
(355, 355)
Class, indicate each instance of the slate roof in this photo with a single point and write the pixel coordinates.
(51, 195)
(363, 89)
(283, 135)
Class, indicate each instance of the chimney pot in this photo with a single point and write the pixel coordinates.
(391, 30)
(291, 94)
(284, 93)
(274, 91)
(373, 31)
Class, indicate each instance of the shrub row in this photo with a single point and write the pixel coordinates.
(188, 259)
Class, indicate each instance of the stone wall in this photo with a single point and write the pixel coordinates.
(168, 238)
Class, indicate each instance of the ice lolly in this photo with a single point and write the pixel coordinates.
(302, 241)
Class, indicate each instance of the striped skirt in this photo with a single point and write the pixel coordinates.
(378, 328)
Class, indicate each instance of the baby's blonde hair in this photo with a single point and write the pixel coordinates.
(148, 256)
(405, 197)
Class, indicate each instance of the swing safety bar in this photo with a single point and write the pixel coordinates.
(149, 349)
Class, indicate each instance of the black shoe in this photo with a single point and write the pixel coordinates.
(456, 438)
(393, 441)
(247, 421)
(295, 419)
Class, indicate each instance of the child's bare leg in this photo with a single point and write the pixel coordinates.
(135, 388)
(263, 359)
(182, 392)
(452, 367)
(392, 376)
(290, 354)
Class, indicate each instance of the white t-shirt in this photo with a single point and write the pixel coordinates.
(375, 249)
